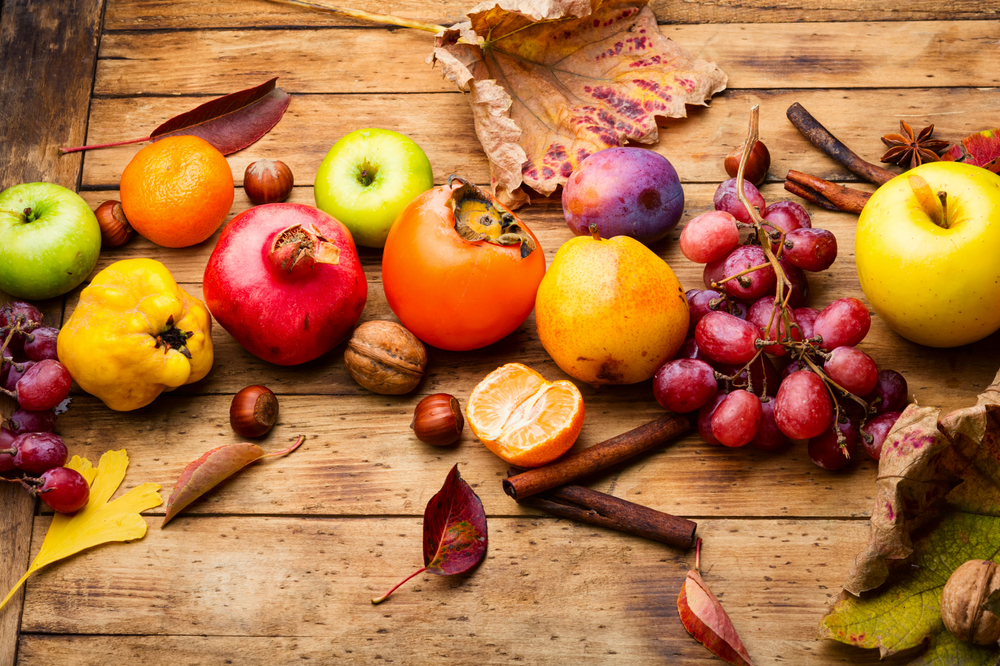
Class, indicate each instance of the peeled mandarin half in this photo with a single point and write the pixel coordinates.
(523, 418)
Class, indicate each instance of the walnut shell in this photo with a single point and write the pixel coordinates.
(962, 602)
(385, 358)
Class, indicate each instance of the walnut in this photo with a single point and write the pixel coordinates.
(385, 358)
(962, 602)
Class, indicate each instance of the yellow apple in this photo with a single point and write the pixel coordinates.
(930, 269)
(610, 311)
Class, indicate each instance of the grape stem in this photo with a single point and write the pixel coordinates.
(805, 350)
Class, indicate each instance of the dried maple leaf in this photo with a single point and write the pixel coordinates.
(553, 81)
(455, 536)
(937, 506)
(979, 149)
(706, 620)
(100, 521)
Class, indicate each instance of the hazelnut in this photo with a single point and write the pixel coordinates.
(268, 181)
(757, 165)
(253, 411)
(438, 420)
(115, 229)
(385, 358)
(962, 602)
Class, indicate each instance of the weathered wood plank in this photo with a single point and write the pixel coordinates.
(185, 14)
(442, 125)
(809, 55)
(361, 458)
(949, 378)
(47, 56)
(313, 578)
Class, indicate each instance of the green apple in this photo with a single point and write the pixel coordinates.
(49, 240)
(932, 270)
(367, 179)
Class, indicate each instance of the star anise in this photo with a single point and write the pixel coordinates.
(905, 147)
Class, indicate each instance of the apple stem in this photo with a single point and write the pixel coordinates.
(943, 196)
(378, 600)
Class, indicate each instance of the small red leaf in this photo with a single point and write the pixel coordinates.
(229, 123)
(979, 149)
(455, 536)
(212, 469)
(705, 619)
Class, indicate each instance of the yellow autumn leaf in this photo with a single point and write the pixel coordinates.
(100, 521)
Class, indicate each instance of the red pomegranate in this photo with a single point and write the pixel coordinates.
(285, 281)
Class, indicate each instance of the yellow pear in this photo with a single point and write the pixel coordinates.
(610, 311)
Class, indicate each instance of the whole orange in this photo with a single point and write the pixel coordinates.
(177, 192)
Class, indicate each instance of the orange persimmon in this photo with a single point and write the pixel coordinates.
(459, 269)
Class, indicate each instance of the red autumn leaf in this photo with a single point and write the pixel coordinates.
(705, 618)
(455, 535)
(553, 81)
(979, 149)
(229, 123)
(212, 469)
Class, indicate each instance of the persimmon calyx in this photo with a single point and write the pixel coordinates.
(297, 249)
(478, 218)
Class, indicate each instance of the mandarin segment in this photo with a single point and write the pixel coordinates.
(524, 419)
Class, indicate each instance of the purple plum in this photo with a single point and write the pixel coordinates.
(627, 192)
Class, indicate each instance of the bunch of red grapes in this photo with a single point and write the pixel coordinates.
(31, 374)
(752, 315)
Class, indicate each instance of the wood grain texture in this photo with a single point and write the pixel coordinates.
(47, 56)
(313, 579)
(809, 55)
(442, 125)
(186, 14)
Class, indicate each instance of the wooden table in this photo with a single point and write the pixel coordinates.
(279, 564)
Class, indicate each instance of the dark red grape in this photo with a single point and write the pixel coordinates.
(762, 315)
(700, 304)
(41, 344)
(5, 362)
(690, 349)
(787, 216)
(800, 283)
(24, 314)
(705, 418)
(878, 429)
(684, 385)
(890, 393)
(709, 236)
(14, 376)
(794, 366)
(806, 317)
(802, 408)
(844, 322)
(726, 199)
(44, 386)
(38, 452)
(23, 421)
(725, 338)
(64, 490)
(714, 271)
(6, 443)
(736, 419)
(769, 437)
(763, 375)
(826, 451)
(853, 369)
(753, 285)
(810, 249)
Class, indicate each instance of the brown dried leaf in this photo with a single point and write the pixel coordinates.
(551, 82)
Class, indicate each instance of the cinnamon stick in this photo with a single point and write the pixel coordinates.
(821, 137)
(597, 457)
(596, 508)
(826, 194)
